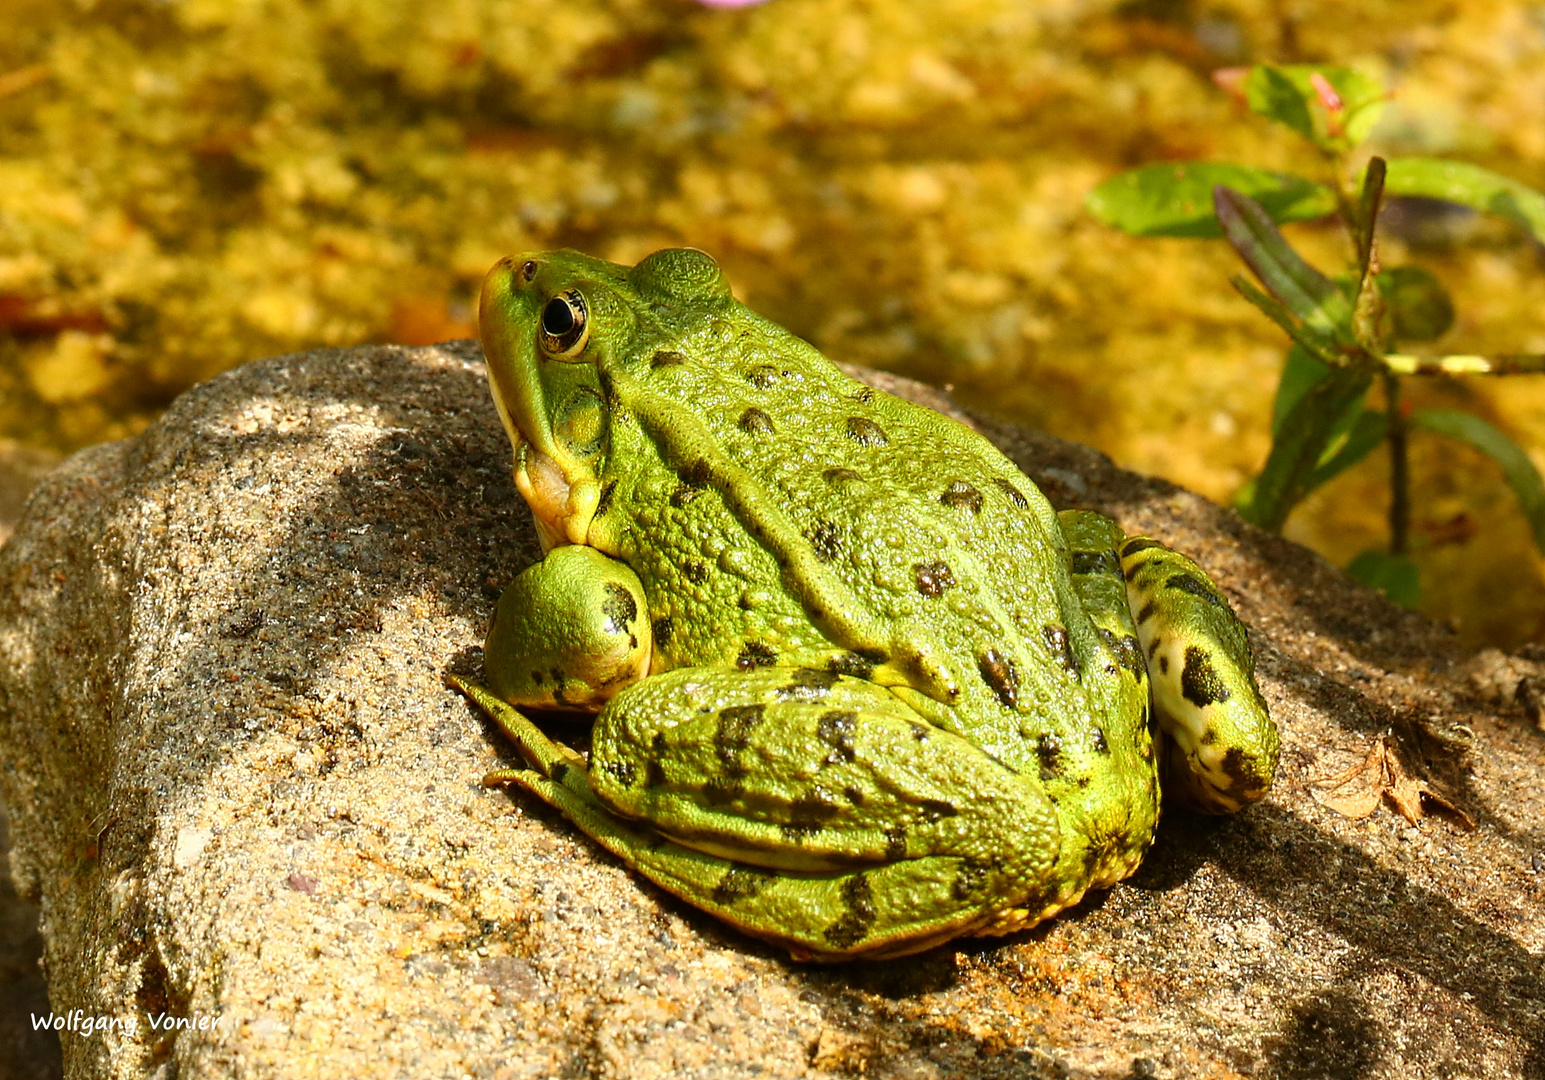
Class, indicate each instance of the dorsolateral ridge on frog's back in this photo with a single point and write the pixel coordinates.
(860, 688)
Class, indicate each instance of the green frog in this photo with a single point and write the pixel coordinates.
(859, 688)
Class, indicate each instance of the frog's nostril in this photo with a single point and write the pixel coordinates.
(528, 270)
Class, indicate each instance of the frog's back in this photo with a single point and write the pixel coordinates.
(875, 508)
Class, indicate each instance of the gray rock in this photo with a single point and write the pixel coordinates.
(240, 790)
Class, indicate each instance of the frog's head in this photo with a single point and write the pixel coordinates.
(554, 326)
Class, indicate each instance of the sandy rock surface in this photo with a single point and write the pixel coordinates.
(239, 791)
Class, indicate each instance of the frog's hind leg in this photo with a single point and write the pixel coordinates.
(1221, 745)
(813, 811)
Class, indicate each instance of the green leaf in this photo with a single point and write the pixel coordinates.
(1365, 433)
(1300, 371)
(1320, 345)
(1303, 290)
(1517, 469)
(1468, 185)
(1419, 305)
(1297, 449)
(1286, 93)
(1176, 200)
(1393, 575)
(1270, 93)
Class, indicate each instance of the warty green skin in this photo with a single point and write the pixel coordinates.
(861, 688)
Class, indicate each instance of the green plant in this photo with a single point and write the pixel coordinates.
(1345, 331)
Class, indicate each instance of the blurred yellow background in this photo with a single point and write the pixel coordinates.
(188, 185)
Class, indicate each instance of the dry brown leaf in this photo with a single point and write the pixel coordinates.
(1382, 775)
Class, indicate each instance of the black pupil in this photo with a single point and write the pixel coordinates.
(557, 317)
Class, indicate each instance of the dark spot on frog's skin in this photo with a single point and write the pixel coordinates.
(1154, 645)
(825, 540)
(1056, 638)
(920, 732)
(698, 474)
(863, 395)
(1083, 781)
(1243, 782)
(851, 928)
(937, 809)
(734, 734)
(755, 654)
(537, 679)
(1164, 665)
(1199, 681)
(654, 774)
(809, 685)
(1130, 655)
(1001, 676)
(1187, 583)
(741, 883)
(1049, 749)
(1095, 854)
(1100, 745)
(666, 358)
(866, 432)
(962, 496)
(840, 476)
(1016, 496)
(683, 495)
(896, 843)
(1096, 562)
(694, 571)
(619, 608)
(835, 729)
(970, 878)
(755, 422)
(662, 628)
(1209, 737)
(933, 578)
(558, 772)
(604, 503)
(1142, 543)
(857, 665)
(853, 795)
(721, 791)
(621, 771)
(1147, 613)
(762, 376)
(808, 813)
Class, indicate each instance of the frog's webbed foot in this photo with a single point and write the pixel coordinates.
(813, 811)
(1221, 745)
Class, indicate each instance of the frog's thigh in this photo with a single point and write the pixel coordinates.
(1221, 745)
(820, 812)
(569, 632)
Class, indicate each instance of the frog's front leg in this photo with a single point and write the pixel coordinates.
(568, 633)
(811, 810)
(1220, 745)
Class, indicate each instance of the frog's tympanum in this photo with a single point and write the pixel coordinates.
(860, 688)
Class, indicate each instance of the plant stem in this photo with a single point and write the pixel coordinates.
(1399, 469)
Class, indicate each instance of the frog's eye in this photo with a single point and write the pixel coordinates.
(565, 325)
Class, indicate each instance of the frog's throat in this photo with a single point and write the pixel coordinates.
(562, 496)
